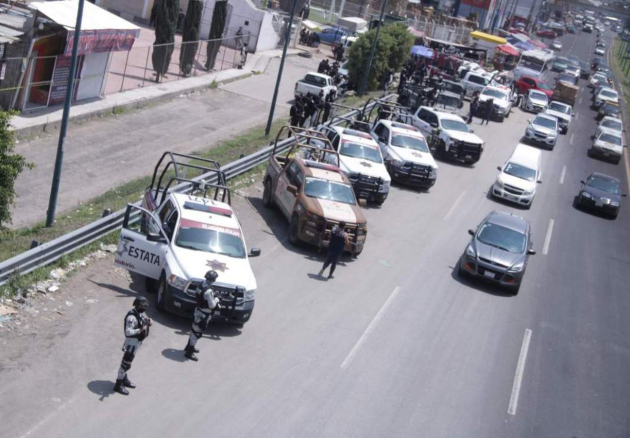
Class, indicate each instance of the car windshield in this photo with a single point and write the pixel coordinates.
(211, 240)
(609, 93)
(543, 86)
(605, 184)
(537, 95)
(502, 238)
(329, 190)
(610, 138)
(611, 108)
(560, 63)
(572, 69)
(520, 171)
(356, 150)
(495, 93)
(573, 58)
(454, 125)
(612, 124)
(600, 77)
(545, 122)
(564, 109)
(409, 142)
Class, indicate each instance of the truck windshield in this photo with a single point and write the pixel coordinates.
(454, 125)
(496, 94)
(406, 141)
(208, 240)
(328, 190)
(360, 151)
(520, 171)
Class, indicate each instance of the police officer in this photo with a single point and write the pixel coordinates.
(136, 330)
(207, 304)
(338, 239)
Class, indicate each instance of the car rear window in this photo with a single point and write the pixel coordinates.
(315, 80)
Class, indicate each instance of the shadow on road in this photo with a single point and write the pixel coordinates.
(102, 388)
(173, 354)
(317, 277)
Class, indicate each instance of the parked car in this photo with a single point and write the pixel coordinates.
(499, 250)
(519, 176)
(600, 192)
(534, 101)
(567, 78)
(607, 145)
(559, 64)
(526, 83)
(585, 70)
(574, 71)
(562, 112)
(599, 51)
(331, 35)
(611, 125)
(605, 95)
(597, 79)
(542, 129)
(556, 45)
(608, 109)
(546, 33)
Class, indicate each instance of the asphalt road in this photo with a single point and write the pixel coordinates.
(396, 345)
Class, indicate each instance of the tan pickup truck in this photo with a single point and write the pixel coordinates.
(312, 194)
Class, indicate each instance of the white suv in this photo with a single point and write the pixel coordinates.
(448, 133)
(502, 99)
(175, 238)
(361, 160)
(406, 153)
(605, 95)
(519, 175)
(542, 129)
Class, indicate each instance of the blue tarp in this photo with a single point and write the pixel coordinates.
(422, 51)
(524, 46)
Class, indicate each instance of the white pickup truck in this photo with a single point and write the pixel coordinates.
(314, 83)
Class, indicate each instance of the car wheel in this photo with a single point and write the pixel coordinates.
(514, 290)
(501, 119)
(267, 198)
(461, 272)
(151, 284)
(589, 153)
(441, 149)
(162, 291)
(294, 234)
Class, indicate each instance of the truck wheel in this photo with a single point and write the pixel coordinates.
(267, 199)
(441, 149)
(150, 284)
(294, 233)
(161, 293)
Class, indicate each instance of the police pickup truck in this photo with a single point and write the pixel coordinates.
(313, 194)
(448, 134)
(315, 83)
(174, 238)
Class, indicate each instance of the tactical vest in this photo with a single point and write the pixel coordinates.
(141, 323)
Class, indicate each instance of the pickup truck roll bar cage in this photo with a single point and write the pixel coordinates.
(384, 107)
(304, 139)
(179, 168)
(351, 123)
(221, 192)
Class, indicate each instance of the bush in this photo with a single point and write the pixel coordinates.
(360, 53)
(392, 50)
(10, 167)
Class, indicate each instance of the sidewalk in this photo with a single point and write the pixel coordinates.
(32, 123)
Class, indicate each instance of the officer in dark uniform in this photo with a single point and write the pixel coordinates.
(136, 330)
(207, 304)
(338, 239)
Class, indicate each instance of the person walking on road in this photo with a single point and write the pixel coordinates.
(474, 107)
(207, 304)
(487, 114)
(136, 330)
(338, 240)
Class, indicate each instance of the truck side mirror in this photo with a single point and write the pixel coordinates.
(156, 237)
(471, 232)
(292, 189)
(499, 168)
(254, 252)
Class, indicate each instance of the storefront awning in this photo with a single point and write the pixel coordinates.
(509, 49)
(101, 31)
(487, 37)
(538, 44)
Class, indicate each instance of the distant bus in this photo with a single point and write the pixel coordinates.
(533, 63)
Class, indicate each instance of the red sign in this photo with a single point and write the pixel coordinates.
(481, 4)
(105, 40)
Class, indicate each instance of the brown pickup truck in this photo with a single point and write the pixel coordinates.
(312, 194)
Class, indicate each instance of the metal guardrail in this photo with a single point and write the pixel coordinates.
(52, 251)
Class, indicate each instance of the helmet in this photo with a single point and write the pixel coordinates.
(141, 304)
(211, 276)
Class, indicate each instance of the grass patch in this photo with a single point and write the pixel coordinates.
(214, 84)
(359, 101)
(618, 64)
(14, 242)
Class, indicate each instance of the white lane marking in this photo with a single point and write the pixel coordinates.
(369, 329)
(564, 171)
(577, 116)
(518, 376)
(63, 406)
(454, 206)
(548, 237)
(572, 138)
(580, 101)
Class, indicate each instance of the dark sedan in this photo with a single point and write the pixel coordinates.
(608, 109)
(499, 250)
(585, 70)
(601, 192)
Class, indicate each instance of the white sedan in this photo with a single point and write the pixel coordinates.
(610, 125)
(600, 51)
(535, 101)
(556, 45)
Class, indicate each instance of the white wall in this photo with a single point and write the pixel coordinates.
(268, 38)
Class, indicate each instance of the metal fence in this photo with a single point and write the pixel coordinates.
(444, 32)
(44, 83)
(52, 251)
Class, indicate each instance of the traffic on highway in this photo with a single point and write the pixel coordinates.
(481, 291)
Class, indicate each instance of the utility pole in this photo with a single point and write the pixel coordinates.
(530, 17)
(54, 190)
(372, 50)
(287, 39)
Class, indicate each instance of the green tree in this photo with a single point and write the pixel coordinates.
(190, 37)
(403, 41)
(167, 12)
(11, 165)
(360, 53)
(219, 18)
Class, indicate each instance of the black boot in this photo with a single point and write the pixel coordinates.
(119, 388)
(190, 352)
(127, 383)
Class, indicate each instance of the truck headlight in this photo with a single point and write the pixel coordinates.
(177, 282)
(250, 295)
(518, 267)
(586, 195)
(361, 230)
(384, 187)
(529, 191)
(529, 131)
(470, 251)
